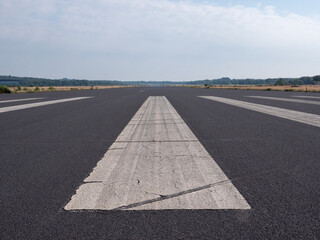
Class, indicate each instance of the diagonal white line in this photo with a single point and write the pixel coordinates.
(38, 104)
(307, 97)
(286, 100)
(307, 118)
(157, 166)
(19, 100)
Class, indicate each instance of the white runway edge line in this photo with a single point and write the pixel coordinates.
(156, 163)
(38, 104)
(19, 100)
(307, 97)
(286, 100)
(307, 118)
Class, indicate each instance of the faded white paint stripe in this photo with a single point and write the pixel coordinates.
(157, 163)
(286, 100)
(307, 118)
(19, 100)
(38, 104)
(307, 97)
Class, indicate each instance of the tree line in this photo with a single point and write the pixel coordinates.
(270, 81)
(29, 82)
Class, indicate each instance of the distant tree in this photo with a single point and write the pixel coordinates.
(316, 79)
(306, 80)
(280, 82)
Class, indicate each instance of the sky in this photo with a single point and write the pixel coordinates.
(159, 40)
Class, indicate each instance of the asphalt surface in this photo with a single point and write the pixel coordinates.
(46, 153)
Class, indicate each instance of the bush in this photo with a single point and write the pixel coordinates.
(37, 88)
(4, 89)
(18, 88)
(51, 88)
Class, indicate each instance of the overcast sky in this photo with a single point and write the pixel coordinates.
(159, 39)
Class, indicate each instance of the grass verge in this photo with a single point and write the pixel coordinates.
(301, 88)
(59, 88)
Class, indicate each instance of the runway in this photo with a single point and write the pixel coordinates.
(160, 163)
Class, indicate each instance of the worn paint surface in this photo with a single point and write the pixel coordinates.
(157, 163)
(307, 118)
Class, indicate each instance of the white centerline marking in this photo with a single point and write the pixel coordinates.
(307, 97)
(286, 100)
(38, 104)
(19, 100)
(157, 166)
(307, 118)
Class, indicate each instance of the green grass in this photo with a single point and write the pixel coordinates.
(4, 89)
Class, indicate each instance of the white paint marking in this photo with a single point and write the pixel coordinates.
(307, 97)
(157, 163)
(307, 118)
(286, 100)
(19, 100)
(38, 104)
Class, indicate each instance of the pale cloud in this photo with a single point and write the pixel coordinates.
(159, 28)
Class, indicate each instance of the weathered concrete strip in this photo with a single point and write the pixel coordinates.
(307, 118)
(313, 97)
(157, 163)
(39, 104)
(286, 100)
(19, 100)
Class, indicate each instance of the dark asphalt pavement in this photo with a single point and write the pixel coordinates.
(46, 153)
